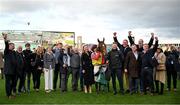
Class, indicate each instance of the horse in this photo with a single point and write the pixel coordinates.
(102, 46)
(104, 68)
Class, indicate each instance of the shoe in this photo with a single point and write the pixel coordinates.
(28, 91)
(127, 91)
(122, 93)
(152, 94)
(19, 93)
(14, 94)
(11, 97)
(37, 90)
(115, 93)
(48, 91)
(156, 91)
(143, 93)
(136, 92)
(168, 89)
(131, 93)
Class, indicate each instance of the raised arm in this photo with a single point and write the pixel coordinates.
(116, 41)
(151, 40)
(6, 50)
(130, 38)
(155, 45)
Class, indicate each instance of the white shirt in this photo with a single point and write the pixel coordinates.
(136, 55)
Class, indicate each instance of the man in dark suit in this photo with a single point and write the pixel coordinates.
(147, 66)
(140, 49)
(20, 70)
(28, 67)
(9, 66)
(125, 49)
(132, 67)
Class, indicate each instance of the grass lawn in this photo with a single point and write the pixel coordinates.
(81, 98)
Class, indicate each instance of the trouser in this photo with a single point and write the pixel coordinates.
(9, 84)
(69, 72)
(126, 81)
(133, 84)
(173, 74)
(28, 77)
(81, 79)
(118, 73)
(56, 73)
(23, 81)
(48, 75)
(19, 78)
(2, 73)
(63, 81)
(75, 77)
(147, 74)
(38, 78)
(157, 87)
(34, 77)
(141, 83)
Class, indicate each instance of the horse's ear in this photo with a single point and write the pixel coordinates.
(98, 40)
(103, 39)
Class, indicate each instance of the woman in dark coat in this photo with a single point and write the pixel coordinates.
(87, 69)
(39, 63)
(171, 66)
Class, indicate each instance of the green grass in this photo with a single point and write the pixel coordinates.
(81, 98)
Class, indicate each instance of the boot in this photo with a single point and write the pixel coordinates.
(162, 89)
(96, 85)
(157, 86)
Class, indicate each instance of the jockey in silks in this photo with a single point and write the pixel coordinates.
(97, 61)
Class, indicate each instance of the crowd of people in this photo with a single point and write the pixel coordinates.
(141, 66)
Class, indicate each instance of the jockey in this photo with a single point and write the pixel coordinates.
(96, 57)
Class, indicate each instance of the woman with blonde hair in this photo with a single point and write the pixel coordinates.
(38, 67)
(49, 64)
(87, 69)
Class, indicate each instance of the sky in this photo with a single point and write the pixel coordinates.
(94, 19)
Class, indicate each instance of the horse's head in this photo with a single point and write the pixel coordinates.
(102, 46)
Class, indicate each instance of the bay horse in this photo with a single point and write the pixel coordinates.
(102, 48)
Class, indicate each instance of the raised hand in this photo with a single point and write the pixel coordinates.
(114, 34)
(152, 35)
(156, 38)
(130, 33)
(4, 36)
